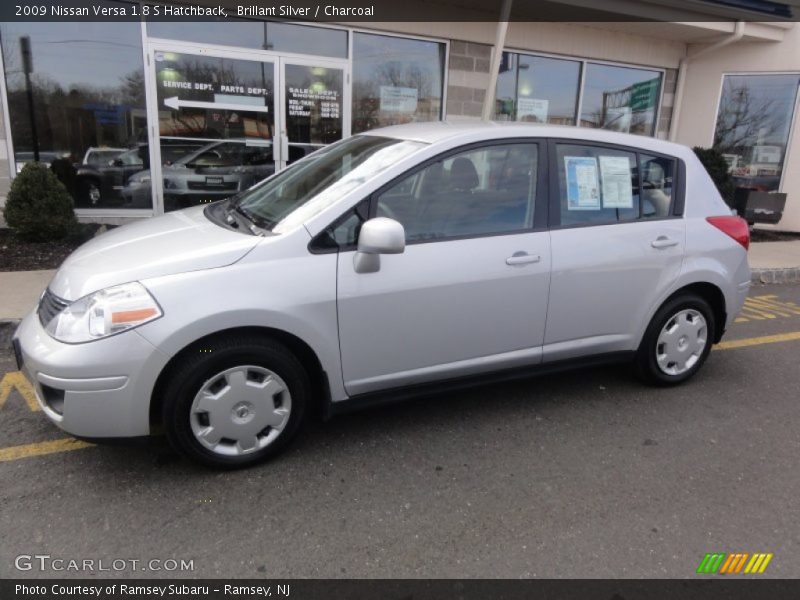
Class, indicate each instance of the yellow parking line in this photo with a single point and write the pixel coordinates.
(16, 380)
(757, 341)
(41, 448)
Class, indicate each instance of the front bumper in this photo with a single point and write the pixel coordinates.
(100, 389)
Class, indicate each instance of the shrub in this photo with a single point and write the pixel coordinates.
(38, 207)
(717, 167)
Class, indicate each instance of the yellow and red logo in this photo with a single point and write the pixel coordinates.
(722, 563)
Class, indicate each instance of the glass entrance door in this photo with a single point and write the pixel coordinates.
(313, 106)
(222, 120)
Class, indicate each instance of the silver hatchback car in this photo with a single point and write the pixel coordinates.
(396, 262)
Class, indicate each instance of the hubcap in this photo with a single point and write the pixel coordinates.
(681, 342)
(240, 410)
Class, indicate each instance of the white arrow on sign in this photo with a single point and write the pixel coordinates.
(176, 103)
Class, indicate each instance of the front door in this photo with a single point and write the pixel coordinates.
(469, 294)
(224, 120)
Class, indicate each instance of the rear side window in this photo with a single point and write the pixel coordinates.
(601, 185)
(597, 185)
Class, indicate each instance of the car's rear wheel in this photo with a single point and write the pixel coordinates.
(236, 401)
(677, 341)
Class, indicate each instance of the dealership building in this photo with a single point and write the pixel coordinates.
(144, 116)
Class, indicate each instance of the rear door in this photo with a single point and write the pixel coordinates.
(469, 294)
(617, 244)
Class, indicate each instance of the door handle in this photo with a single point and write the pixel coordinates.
(284, 147)
(522, 258)
(663, 241)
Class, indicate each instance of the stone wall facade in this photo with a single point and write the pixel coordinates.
(467, 79)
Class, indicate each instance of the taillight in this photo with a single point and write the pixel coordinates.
(735, 227)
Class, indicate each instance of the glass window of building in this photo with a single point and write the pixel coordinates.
(261, 35)
(537, 89)
(86, 87)
(753, 124)
(210, 153)
(620, 98)
(395, 80)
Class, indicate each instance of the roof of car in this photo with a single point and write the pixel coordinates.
(438, 131)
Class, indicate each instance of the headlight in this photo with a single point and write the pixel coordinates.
(107, 312)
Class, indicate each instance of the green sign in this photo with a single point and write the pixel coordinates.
(644, 95)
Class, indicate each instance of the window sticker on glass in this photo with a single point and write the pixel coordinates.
(583, 190)
(532, 110)
(615, 173)
(399, 99)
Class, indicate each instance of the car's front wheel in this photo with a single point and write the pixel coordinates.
(235, 401)
(677, 341)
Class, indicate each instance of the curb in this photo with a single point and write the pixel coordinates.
(7, 329)
(790, 275)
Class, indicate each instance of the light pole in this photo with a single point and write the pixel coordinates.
(27, 68)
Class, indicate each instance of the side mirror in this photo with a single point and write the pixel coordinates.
(378, 236)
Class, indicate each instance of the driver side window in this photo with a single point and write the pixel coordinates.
(489, 190)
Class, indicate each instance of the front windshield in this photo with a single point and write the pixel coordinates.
(313, 183)
(212, 150)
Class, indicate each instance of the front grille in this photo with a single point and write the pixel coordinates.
(49, 306)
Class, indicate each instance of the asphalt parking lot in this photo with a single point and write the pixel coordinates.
(583, 474)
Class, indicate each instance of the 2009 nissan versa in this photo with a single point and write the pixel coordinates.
(393, 262)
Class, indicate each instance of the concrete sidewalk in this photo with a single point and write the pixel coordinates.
(771, 262)
(775, 262)
(19, 291)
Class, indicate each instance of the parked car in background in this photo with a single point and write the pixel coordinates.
(212, 172)
(392, 263)
(759, 183)
(101, 156)
(103, 182)
(46, 158)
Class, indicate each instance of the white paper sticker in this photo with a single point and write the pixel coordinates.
(399, 99)
(532, 110)
(615, 173)
(583, 191)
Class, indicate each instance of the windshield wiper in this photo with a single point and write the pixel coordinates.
(259, 225)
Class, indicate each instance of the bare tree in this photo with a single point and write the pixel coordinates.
(743, 119)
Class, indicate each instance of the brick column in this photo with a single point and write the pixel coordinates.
(468, 78)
